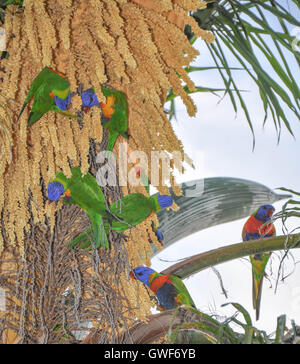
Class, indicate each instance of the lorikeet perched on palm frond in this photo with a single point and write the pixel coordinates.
(257, 227)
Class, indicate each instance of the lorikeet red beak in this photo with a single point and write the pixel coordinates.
(132, 275)
(270, 213)
(86, 109)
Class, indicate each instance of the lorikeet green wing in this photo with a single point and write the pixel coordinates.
(116, 112)
(130, 211)
(84, 192)
(183, 296)
(46, 88)
(91, 200)
(169, 289)
(127, 212)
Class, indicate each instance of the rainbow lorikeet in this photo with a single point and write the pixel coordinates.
(126, 213)
(89, 99)
(115, 115)
(51, 92)
(84, 192)
(257, 227)
(169, 289)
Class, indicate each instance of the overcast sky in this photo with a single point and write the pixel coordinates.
(221, 144)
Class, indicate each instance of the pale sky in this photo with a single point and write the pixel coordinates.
(223, 143)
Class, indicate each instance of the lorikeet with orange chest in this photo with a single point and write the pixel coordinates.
(169, 289)
(257, 227)
(115, 112)
(51, 92)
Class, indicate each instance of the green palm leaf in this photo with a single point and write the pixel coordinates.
(246, 30)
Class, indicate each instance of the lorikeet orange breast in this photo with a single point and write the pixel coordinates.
(115, 115)
(253, 226)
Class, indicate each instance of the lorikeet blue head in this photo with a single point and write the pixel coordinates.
(63, 104)
(161, 202)
(55, 190)
(264, 213)
(164, 201)
(142, 274)
(89, 99)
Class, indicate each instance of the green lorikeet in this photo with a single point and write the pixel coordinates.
(256, 227)
(84, 192)
(114, 115)
(51, 92)
(126, 213)
(169, 289)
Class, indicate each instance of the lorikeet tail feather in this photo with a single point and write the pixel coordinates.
(83, 239)
(111, 141)
(34, 117)
(256, 294)
(95, 232)
(99, 233)
(21, 112)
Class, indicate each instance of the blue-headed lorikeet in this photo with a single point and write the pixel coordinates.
(169, 289)
(51, 92)
(126, 213)
(84, 192)
(89, 99)
(256, 227)
(114, 115)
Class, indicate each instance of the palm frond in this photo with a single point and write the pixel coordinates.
(246, 29)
